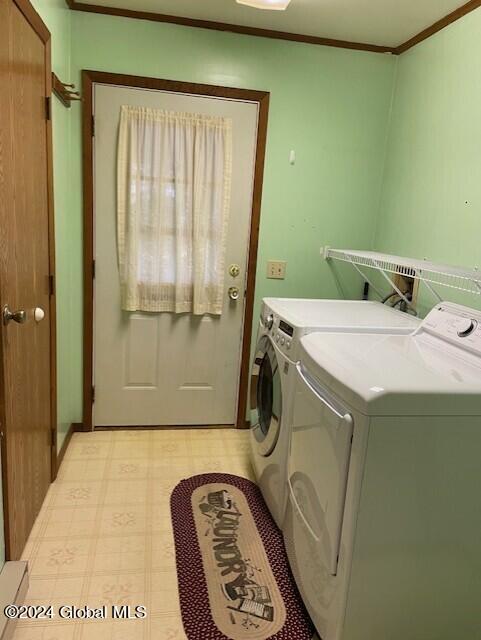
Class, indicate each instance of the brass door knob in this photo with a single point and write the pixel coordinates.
(19, 316)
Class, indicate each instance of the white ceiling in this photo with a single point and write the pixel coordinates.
(383, 22)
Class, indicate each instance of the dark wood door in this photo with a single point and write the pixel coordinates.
(26, 347)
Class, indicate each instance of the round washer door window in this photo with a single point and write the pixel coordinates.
(266, 397)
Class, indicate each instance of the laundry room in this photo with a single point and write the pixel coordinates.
(240, 346)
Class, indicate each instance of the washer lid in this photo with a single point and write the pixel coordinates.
(341, 315)
(395, 375)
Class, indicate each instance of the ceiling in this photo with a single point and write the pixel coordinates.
(380, 22)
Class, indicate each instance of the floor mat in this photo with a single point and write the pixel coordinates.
(233, 573)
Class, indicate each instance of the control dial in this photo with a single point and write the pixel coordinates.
(269, 321)
(465, 327)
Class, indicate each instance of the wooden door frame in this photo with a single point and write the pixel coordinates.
(39, 27)
(89, 78)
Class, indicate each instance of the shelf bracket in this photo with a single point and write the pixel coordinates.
(396, 288)
(432, 290)
(363, 275)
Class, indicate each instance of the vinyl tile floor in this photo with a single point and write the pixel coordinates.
(104, 534)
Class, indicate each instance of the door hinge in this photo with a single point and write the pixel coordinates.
(93, 126)
(93, 269)
(93, 394)
(48, 108)
(51, 284)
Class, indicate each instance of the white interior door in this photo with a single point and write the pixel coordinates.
(165, 368)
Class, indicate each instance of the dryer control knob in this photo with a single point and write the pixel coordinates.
(288, 344)
(465, 327)
(269, 321)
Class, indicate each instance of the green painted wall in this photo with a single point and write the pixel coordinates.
(330, 105)
(431, 199)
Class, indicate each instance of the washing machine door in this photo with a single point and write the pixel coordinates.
(266, 397)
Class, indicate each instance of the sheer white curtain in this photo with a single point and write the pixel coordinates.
(174, 182)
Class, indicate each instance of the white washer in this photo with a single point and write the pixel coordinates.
(383, 523)
(283, 322)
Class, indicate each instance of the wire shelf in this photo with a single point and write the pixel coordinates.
(467, 280)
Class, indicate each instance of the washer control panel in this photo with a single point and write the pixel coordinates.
(280, 331)
(455, 324)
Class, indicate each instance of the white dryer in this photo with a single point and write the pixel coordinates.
(383, 523)
(283, 323)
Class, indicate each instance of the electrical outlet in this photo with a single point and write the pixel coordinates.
(276, 269)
